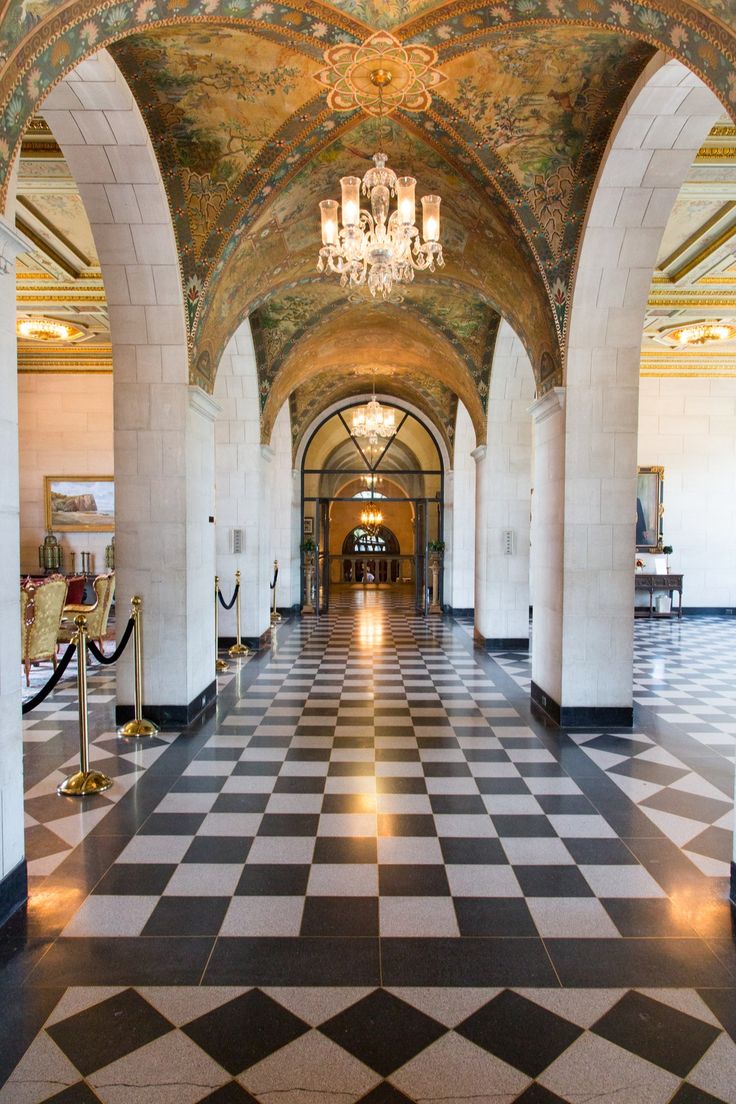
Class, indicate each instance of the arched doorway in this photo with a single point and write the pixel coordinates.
(349, 477)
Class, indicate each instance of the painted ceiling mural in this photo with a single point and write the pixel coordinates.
(248, 147)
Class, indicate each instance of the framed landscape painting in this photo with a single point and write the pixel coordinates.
(80, 503)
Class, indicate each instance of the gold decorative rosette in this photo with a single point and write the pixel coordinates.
(349, 75)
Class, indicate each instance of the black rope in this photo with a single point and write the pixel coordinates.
(101, 657)
(46, 690)
(275, 577)
(228, 605)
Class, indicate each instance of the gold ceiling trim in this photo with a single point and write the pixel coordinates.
(698, 301)
(723, 130)
(409, 74)
(715, 154)
(703, 254)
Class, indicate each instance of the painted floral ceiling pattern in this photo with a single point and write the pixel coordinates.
(247, 146)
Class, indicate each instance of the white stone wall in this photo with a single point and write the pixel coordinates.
(12, 845)
(460, 517)
(502, 581)
(242, 483)
(65, 424)
(285, 490)
(689, 427)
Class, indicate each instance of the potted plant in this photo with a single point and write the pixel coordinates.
(308, 547)
(436, 546)
(667, 549)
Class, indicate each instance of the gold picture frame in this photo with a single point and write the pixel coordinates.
(80, 503)
(649, 509)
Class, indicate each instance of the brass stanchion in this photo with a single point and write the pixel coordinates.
(139, 726)
(275, 615)
(238, 648)
(220, 664)
(85, 781)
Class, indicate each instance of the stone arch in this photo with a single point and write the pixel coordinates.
(586, 442)
(161, 424)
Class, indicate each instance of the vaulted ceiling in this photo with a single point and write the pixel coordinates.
(248, 146)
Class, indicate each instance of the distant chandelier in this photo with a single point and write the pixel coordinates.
(703, 334)
(371, 519)
(375, 247)
(373, 421)
(46, 329)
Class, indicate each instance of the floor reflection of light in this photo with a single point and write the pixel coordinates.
(370, 628)
(690, 906)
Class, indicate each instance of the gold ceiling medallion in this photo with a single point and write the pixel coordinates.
(380, 75)
(47, 329)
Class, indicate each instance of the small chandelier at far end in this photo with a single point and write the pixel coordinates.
(370, 519)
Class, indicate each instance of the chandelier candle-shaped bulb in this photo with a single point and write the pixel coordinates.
(406, 204)
(431, 218)
(350, 201)
(328, 211)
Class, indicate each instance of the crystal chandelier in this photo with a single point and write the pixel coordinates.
(373, 421)
(378, 247)
(46, 329)
(370, 519)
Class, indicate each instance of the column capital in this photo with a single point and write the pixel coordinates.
(479, 453)
(548, 404)
(203, 403)
(11, 244)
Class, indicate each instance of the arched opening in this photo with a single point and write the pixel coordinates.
(372, 506)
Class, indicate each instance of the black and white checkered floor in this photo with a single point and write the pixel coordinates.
(373, 877)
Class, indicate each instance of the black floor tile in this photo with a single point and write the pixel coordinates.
(123, 961)
(406, 824)
(231, 1093)
(245, 1030)
(489, 916)
(273, 879)
(462, 804)
(137, 879)
(175, 916)
(338, 849)
(519, 1032)
(663, 1035)
(109, 1030)
(418, 880)
(552, 881)
(385, 1094)
(474, 962)
(458, 850)
(80, 1093)
(294, 961)
(289, 824)
(722, 1003)
(646, 917)
(516, 826)
(340, 916)
(240, 803)
(632, 962)
(600, 852)
(172, 824)
(537, 1094)
(199, 783)
(689, 1094)
(218, 849)
(383, 1031)
(293, 784)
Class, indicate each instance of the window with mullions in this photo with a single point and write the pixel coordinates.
(369, 494)
(361, 540)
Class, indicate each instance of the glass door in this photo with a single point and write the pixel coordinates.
(322, 602)
(420, 554)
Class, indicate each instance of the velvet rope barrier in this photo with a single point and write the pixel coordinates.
(46, 690)
(275, 577)
(101, 657)
(228, 605)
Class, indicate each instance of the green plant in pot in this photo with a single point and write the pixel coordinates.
(436, 546)
(308, 547)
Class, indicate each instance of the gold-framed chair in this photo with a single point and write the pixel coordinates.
(97, 614)
(41, 610)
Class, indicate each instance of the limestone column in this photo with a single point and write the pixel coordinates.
(13, 880)
(503, 491)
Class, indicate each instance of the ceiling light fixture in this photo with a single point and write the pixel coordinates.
(46, 329)
(371, 519)
(373, 421)
(703, 333)
(379, 247)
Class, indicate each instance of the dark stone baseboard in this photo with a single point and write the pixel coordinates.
(502, 643)
(459, 611)
(13, 891)
(584, 716)
(707, 611)
(255, 643)
(732, 894)
(172, 716)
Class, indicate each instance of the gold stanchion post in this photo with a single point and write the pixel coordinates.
(238, 648)
(275, 615)
(84, 781)
(139, 726)
(220, 664)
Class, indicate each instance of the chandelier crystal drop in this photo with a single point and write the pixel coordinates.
(379, 247)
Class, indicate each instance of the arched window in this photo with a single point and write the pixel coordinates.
(362, 540)
(368, 494)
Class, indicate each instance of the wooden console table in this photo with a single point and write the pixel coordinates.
(668, 583)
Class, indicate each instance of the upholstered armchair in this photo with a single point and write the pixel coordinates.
(41, 608)
(96, 614)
